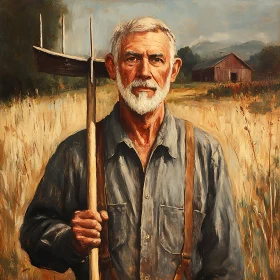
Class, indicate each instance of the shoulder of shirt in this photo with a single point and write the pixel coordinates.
(73, 143)
(206, 139)
(76, 141)
(203, 139)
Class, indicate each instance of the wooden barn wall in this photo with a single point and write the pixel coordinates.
(230, 65)
(206, 75)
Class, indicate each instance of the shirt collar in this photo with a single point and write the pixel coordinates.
(167, 135)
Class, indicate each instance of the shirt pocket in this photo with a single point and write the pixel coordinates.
(171, 228)
(117, 224)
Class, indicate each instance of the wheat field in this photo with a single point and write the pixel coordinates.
(31, 130)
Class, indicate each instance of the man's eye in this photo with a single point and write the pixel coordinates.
(131, 60)
(156, 60)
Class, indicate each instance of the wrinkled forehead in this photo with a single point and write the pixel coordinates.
(141, 42)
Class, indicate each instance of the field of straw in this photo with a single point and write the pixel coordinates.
(31, 130)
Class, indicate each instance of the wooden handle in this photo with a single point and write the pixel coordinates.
(91, 156)
(91, 169)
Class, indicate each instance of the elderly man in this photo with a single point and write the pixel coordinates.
(144, 173)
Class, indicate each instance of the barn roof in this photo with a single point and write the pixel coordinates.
(210, 63)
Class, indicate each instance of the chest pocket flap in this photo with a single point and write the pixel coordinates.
(171, 228)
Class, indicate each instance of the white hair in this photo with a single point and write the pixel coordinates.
(141, 24)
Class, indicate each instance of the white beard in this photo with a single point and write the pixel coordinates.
(143, 104)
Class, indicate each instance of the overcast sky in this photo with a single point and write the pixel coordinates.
(191, 21)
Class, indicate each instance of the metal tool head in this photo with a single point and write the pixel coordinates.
(61, 64)
(66, 65)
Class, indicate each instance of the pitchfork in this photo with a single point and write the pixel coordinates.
(61, 64)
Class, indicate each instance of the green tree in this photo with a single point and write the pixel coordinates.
(189, 60)
(19, 31)
(254, 61)
(269, 61)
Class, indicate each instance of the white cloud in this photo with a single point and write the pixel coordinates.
(262, 37)
(215, 37)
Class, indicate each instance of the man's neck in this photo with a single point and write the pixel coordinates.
(141, 129)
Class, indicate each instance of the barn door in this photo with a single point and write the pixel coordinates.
(233, 77)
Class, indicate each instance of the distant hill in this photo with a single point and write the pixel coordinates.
(208, 49)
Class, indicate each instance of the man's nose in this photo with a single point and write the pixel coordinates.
(144, 71)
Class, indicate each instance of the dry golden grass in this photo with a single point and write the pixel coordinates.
(31, 130)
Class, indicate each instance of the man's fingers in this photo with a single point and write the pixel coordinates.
(88, 214)
(104, 215)
(87, 224)
(79, 231)
(98, 217)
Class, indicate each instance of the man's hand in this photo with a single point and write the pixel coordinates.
(86, 227)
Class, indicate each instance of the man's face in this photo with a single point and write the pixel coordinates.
(144, 71)
(144, 56)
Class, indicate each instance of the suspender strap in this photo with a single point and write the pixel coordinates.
(105, 263)
(185, 266)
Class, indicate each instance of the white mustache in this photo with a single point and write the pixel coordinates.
(143, 104)
(142, 83)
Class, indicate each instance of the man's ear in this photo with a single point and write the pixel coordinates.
(110, 65)
(175, 69)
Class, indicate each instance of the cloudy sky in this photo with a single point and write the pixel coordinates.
(192, 21)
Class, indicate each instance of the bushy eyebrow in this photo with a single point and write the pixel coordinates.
(138, 55)
(128, 53)
(156, 55)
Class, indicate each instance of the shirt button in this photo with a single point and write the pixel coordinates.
(147, 196)
(147, 237)
(147, 277)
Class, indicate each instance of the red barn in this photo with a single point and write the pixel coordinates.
(228, 68)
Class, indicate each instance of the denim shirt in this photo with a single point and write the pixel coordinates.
(146, 208)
